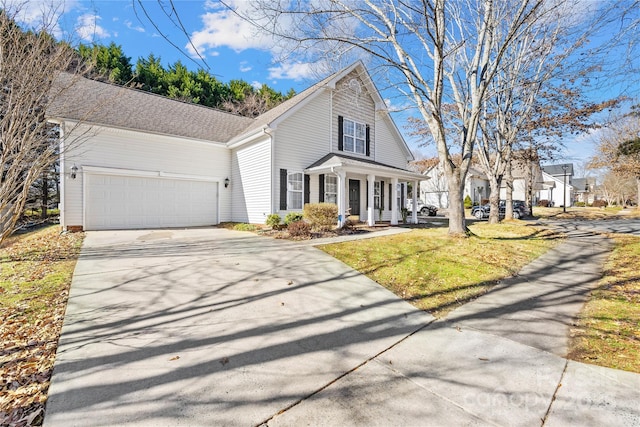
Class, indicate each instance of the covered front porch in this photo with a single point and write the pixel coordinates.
(365, 189)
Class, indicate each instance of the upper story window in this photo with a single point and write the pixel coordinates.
(354, 136)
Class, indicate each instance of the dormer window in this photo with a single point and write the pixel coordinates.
(353, 137)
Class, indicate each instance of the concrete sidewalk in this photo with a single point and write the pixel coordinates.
(211, 327)
(495, 361)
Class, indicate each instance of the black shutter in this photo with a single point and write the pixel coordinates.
(321, 188)
(283, 189)
(307, 188)
(390, 196)
(368, 141)
(340, 133)
(403, 203)
(382, 195)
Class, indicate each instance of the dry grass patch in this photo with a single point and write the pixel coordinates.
(34, 286)
(437, 273)
(608, 329)
(584, 213)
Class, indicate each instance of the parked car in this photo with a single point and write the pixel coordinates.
(482, 211)
(423, 209)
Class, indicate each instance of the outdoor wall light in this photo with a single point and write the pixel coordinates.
(226, 182)
(74, 171)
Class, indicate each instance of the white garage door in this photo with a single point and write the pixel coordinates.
(122, 202)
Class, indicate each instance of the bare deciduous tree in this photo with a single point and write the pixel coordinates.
(618, 150)
(29, 62)
(434, 53)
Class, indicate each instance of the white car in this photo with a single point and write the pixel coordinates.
(423, 209)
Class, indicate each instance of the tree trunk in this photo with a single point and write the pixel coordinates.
(494, 200)
(457, 222)
(508, 179)
(44, 194)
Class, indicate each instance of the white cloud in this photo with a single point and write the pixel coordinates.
(38, 14)
(130, 26)
(88, 29)
(294, 71)
(224, 28)
(244, 67)
(256, 85)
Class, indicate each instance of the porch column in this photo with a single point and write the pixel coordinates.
(371, 219)
(341, 198)
(394, 201)
(414, 214)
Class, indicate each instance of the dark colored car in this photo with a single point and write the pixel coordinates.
(482, 211)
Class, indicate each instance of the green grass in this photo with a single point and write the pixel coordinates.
(608, 329)
(35, 276)
(437, 273)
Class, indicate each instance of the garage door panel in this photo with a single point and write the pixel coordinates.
(120, 202)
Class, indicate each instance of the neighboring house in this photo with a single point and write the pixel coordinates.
(527, 176)
(434, 191)
(557, 184)
(584, 190)
(138, 160)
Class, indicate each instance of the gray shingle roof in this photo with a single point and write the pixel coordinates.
(557, 170)
(106, 104)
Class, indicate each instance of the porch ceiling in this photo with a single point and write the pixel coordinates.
(336, 163)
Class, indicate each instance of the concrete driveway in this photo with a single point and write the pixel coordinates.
(213, 327)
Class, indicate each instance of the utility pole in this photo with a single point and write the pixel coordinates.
(564, 189)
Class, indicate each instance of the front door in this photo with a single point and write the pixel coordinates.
(354, 196)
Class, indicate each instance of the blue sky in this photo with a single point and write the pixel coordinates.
(229, 47)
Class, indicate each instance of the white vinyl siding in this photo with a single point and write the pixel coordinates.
(388, 146)
(357, 106)
(130, 150)
(251, 182)
(302, 139)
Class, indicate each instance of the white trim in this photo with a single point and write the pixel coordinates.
(302, 192)
(236, 142)
(63, 175)
(95, 170)
(149, 174)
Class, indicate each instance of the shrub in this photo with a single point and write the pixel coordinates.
(543, 203)
(581, 204)
(273, 220)
(321, 216)
(467, 202)
(600, 203)
(292, 217)
(244, 227)
(299, 229)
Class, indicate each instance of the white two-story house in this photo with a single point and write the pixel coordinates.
(132, 159)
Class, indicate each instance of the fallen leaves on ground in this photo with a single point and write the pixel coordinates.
(35, 276)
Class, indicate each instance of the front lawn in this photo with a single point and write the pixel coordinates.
(437, 273)
(34, 286)
(608, 329)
